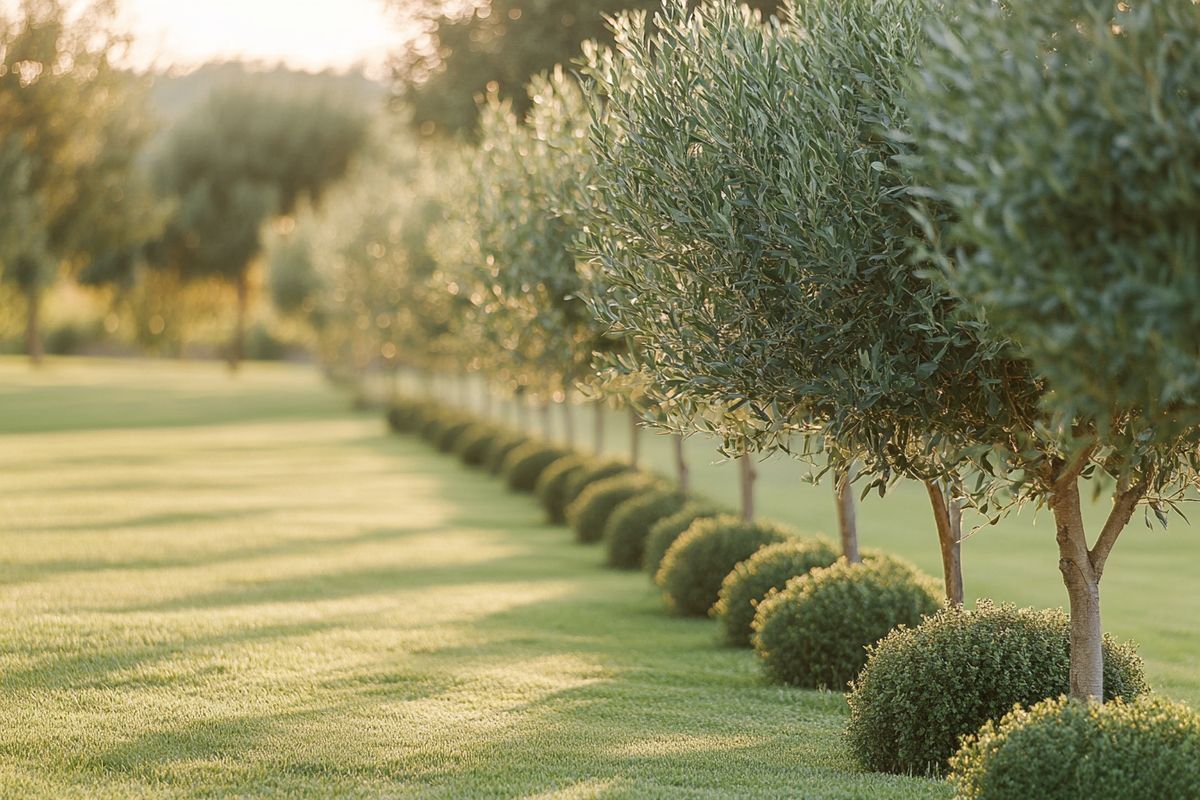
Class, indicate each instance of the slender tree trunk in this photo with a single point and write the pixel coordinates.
(33, 325)
(1082, 568)
(485, 400)
(948, 540)
(568, 415)
(748, 475)
(522, 418)
(547, 422)
(237, 347)
(394, 384)
(681, 467)
(843, 490)
(635, 438)
(1083, 592)
(598, 430)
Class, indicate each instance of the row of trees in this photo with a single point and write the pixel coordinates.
(97, 193)
(853, 233)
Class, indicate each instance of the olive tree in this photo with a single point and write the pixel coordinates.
(243, 158)
(72, 128)
(1058, 142)
(755, 239)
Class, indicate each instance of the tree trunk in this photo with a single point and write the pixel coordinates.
(948, 540)
(635, 439)
(1083, 591)
(33, 325)
(547, 422)
(748, 475)
(568, 415)
(681, 468)
(598, 430)
(238, 346)
(521, 411)
(843, 490)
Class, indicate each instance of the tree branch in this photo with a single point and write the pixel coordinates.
(1118, 518)
(1071, 471)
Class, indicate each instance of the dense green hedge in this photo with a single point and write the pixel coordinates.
(630, 523)
(664, 532)
(589, 512)
(454, 427)
(903, 719)
(524, 465)
(473, 443)
(551, 487)
(753, 579)
(501, 446)
(1069, 750)
(816, 630)
(696, 563)
(594, 471)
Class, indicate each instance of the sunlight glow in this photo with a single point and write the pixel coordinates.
(311, 34)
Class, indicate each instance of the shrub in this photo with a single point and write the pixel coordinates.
(902, 719)
(551, 487)
(588, 513)
(752, 580)
(453, 428)
(471, 445)
(816, 630)
(595, 471)
(664, 532)
(630, 523)
(500, 447)
(1064, 749)
(524, 464)
(697, 562)
(403, 416)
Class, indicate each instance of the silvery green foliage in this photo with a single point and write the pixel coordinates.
(1064, 136)
(526, 221)
(359, 267)
(754, 237)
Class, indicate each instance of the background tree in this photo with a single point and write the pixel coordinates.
(359, 269)
(71, 128)
(470, 49)
(236, 162)
(1070, 169)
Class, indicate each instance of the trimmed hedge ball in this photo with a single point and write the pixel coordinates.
(1064, 749)
(816, 630)
(501, 446)
(473, 443)
(664, 532)
(752, 580)
(454, 428)
(595, 471)
(551, 487)
(523, 465)
(588, 513)
(902, 718)
(630, 523)
(697, 562)
(404, 416)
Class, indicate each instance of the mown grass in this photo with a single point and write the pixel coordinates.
(215, 587)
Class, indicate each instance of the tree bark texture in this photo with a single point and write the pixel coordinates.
(948, 540)
(847, 518)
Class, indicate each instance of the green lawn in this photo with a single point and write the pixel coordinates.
(215, 586)
(233, 587)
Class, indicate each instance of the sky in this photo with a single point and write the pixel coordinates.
(307, 34)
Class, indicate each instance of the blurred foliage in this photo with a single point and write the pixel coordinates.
(474, 48)
(71, 128)
(359, 269)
